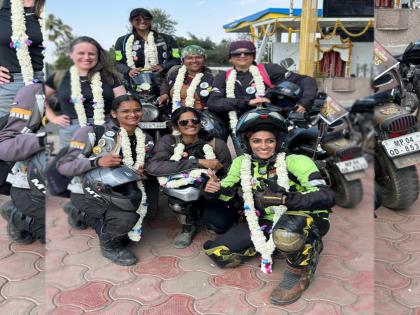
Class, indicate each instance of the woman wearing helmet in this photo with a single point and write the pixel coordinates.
(285, 200)
(113, 198)
(192, 150)
(244, 86)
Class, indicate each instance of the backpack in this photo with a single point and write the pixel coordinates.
(57, 183)
(263, 72)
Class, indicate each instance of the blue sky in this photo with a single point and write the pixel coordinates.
(106, 20)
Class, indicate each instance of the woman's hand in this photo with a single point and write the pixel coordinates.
(212, 164)
(163, 99)
(258, 101)
(213, 184)
(299, 108)
(110, 160)
(4, 75)
(61, 120)
(156, 68)
(141, 172)
(133, 72)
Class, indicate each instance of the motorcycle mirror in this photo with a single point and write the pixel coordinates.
(332, 111)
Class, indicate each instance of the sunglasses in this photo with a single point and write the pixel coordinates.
(242, 53)
(184, 122)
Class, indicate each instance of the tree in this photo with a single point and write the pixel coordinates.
(59, 33)
(163, 22)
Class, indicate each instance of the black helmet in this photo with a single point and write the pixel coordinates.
(285, 89)
(113, 186)
(261, 119)
(36, 177)
(213, 125)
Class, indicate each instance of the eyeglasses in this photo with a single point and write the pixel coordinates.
(242, 53)
(127, 112)
(184, 122)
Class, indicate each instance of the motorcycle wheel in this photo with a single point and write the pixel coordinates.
(399, 187)
(348, 194)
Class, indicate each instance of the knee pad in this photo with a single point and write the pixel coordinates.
(225, 258)
(287, 241)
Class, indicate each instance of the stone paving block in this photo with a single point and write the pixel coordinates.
(23, 266)
(410, 226)
(92, 258)
(40, 264)
(329, 289)
(386, 251)
(67, 310)
(193, 283)
(90, 297)
(35, 248)
(50, 293)
(87, 232)
(67, 277)
(2, 282)
(337, 248)
(270, 311)
(411, 244)
(159, 237)
(386, 305)
(72, 245)
(410, 295)
(387, 230)
(142, 250)
(241, 278)
(320, 308)
(334, 266)
(54, 259)
(31, 289)
(388, 215)
(177, 304)
(112, 273)
(145, 290)
(17, 306)
(361, 284)
(364, 306)
(120, 307)
(165, 267)
(225, 301)
(200, 263)
(93, 242)
(170, 250)
(5, 248)
(386, 276)
(261, 298)
(58, 232)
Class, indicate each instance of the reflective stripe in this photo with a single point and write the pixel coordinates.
(176, 53)
(317, 182)
(118, 55)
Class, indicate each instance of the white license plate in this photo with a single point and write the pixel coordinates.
(152, 125)
(402, 145)
(353, 165)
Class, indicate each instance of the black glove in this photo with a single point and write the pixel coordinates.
(269, 194)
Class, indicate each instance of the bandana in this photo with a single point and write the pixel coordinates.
(193, 50)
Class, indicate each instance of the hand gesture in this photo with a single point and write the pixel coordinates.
(163, 99)
(133, 72)
(110, 160)
(258, 101)
(61, 120)
(213, 164)
(213, 184)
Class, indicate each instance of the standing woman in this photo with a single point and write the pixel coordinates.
(21, 48)
(144, 47)
(85, 92)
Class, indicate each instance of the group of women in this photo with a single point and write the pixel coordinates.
(286, 203)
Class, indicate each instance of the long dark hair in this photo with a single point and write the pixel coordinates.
(38, 7)
(104, 64)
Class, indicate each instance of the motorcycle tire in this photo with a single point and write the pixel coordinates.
(348, 194)
(399, 187)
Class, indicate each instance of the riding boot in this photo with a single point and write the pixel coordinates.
(112, 248)
(184, 238)
(16, 224)
(76, 217)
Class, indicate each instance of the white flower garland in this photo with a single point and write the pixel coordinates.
(230, 91)
(190, 177)
(136, 232)
(129, 51)
(20, 40)
(264, 247)
(179, 82)
(150, 51)
(77, 98)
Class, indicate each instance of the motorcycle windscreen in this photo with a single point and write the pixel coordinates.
(332, 111)
(383, 61)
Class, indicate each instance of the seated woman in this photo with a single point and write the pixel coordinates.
(286, 204)
(181, 154)
(121, 142)
(189, 84)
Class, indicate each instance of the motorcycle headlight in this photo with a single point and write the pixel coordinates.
(150, 112)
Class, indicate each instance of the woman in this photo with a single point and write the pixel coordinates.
(285, 200)
(85, 92)
(21, 47)
(190, 84)
(121, 143)
(145, 48)
(244, 87)
(189, 151)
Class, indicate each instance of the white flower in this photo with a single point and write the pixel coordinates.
(265, 248)
(20, 41)
(259, 82)
(136, 232)
(179, 82)
(77, 98)
(189, 177)
(150, 51)
(129, 51)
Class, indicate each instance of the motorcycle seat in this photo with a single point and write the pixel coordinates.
(299, 136)
(367, 104)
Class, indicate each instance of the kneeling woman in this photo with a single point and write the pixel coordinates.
(189, 151)
(286, 204)
(110, 212)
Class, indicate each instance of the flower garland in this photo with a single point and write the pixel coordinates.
(230, 91)
(179, 82)
(150, 51)
(191, 177)
(136, 232)
(77, 97)
(20, 41)
(264, 247)
(129, 51)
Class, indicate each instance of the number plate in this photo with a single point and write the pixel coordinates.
(152, 125)
(353, 165)
(402, 145)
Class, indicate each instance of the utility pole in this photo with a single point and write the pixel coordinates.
(308, 24)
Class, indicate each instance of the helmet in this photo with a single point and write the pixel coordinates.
(261, 119)
(285, 89)
(36, 177)
(113, 186)
(213, 125)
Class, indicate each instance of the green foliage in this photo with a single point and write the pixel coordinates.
(63, 62)
(59, 33)
(163, 22)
